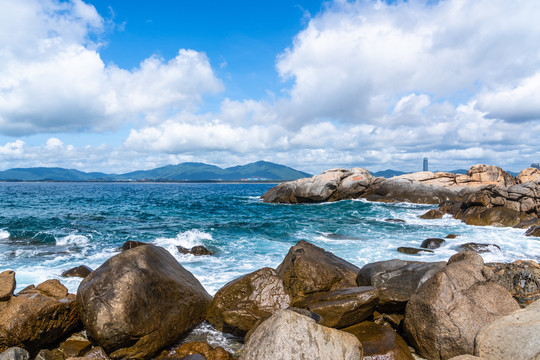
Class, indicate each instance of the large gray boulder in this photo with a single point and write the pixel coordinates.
(287, 335)
(445, 313)
(308, 269)
(239, 304)
(515, 336)
(140, 301)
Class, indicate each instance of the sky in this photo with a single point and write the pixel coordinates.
(117, 86)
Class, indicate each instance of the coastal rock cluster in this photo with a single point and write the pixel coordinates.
(141, 303)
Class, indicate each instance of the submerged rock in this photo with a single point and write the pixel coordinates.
(395, 220)
(198, 250)
(444, 315)
(413, 251)
(478, 247)
(432, 243)
(533, 231)
(308, 269)
(287, 335)
(123, 302)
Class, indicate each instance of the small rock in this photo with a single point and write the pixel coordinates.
(432, 243)
(81, 271)
(7, 284)
(201, 350)
(75, 347)
(451, 236)
(53, 288)
(477, 247)
(395, 220)
(196, 250)
(96, 353)
(46, 354)
(130, 244)
(533, 231)
(412, 251)
(194, 357)
(528, 223)
(432, 214)
(15, 353)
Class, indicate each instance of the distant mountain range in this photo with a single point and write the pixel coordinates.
(258, 171)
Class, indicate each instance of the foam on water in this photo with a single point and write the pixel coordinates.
(72, 240)
(187, 239)
(4, 234)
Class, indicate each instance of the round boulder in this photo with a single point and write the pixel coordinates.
(140, 301)
(432, 243)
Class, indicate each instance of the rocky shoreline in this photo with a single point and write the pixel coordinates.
(141, 304)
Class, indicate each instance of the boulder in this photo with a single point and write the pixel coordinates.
(514, 336)
(140, 301)
(478, 247)
(533, 231)
(75, 346)
(526, 224)
(7, 284)
(380, 342)
(81, 271)
(308, 269)
(196, 250)
(38, 317)
(399, 189)
(202, 349)
(238, 305)
(15, 353)
(344, 307)
(529, 174)
(396, 280)
(412, 251)
(46, 354)
(432, 243)
(96, 353)
(521, 278)
(495, 216)
(287, 335)
(432, 214)
(445, 313)
(130, 244)
(354, 184)
(481, 174)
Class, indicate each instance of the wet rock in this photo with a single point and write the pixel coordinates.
(308, 269)
(514, 336)
(200, 350)
(81, 271)
(432, 214)
(130, 244)
(432, 243)
(495, 216)
(38, 317)
(46, 354)
(395, 220)
(344, 307)
(123, 302)
(380, 342)
(396, 280)
(521, 278)
(478, 247)
(75, 346)
(15, 353)
(533, 231)
(394, 320)
(196, 250)
(7, 284)
(451, 236)
(528, 223)
(238, 305)
(444, 315)
(412, 251)
(96, 353)
(288, 335)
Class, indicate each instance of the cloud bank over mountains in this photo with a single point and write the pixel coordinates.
(364, 84)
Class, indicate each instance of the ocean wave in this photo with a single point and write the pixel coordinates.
(72, 240)
(4, 234)
(187, 239)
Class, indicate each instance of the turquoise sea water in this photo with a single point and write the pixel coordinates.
(46, 228)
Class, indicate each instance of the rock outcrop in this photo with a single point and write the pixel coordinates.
(529, 174)
(238, 305)
(308, 269)
(521, 278)
(515, 336)
(38, 317)
(287, 335)
(140, 301)
(445, 313)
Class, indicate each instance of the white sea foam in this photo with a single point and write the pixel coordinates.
(72, 240)
(187, 239)
(4, 234)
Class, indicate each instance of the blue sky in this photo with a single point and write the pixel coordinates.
(116, 86)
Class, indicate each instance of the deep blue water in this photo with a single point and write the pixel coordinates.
(46, 228)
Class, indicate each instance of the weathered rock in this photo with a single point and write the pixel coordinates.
(123, 302)
(495, 216)
(130, 244)
(399, 189)
(202, 349)
(46, 354)
(451, 236)
(308, 269)
(529, 174)
(74, 347)
(81, 271)
(432, 243)
(344, 307)
(7, 284)
(380, 342)
(515, 336)
(521, 278)
(34, 319)
(533, 231)
(432, 214)
(96, 353)
(412, 251)
(196, 250)
(485, 175)
(353, 184)
(15, 353)
(238, 305)
(394, 320)
(396, 280)
(287, 335)
(526, 224)
(478, 247)
(443, 179)
(445, 313)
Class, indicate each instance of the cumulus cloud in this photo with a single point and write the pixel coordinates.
(52, 78)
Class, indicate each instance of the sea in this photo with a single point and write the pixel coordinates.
(47, 228)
